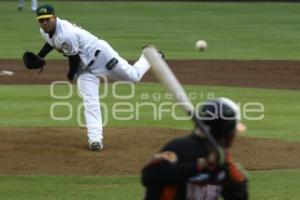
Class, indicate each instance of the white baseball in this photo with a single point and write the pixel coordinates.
(8, 73)
(201, 45)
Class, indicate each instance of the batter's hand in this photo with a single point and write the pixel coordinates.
(214, 160)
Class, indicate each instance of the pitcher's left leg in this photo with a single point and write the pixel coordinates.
(113, 65)
(142, 65)
(124, 71)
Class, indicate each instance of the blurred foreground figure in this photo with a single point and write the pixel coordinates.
(188, 168)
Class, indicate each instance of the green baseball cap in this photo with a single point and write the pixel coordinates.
(45, 11)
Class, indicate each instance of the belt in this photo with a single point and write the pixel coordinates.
(94, 59)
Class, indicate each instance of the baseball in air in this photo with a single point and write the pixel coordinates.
(201, 45)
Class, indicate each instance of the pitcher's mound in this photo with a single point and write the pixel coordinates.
(64, 151)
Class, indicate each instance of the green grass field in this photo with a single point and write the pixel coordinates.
(264, 185)
(278, 121)
(232, 30)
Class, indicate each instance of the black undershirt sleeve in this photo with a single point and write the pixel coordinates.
(236, 191)
(45, 50)
(74, 62)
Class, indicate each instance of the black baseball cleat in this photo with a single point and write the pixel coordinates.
(96, 146)
(159, 51)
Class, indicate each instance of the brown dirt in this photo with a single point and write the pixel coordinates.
(266, 74)
(63, 151)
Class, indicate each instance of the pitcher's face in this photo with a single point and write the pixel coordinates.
(48, 24)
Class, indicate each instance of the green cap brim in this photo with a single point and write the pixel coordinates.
(44, 16)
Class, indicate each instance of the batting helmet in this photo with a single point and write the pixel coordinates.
(222, 116)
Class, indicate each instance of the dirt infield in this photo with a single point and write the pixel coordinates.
(266, 74)
(64, 150)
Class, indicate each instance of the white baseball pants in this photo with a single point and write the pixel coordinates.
(88, 85)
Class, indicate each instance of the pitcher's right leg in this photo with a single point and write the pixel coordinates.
(88, 85)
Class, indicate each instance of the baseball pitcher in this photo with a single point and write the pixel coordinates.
(89, 57)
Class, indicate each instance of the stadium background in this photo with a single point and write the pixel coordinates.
(252, 56)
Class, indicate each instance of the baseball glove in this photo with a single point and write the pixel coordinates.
(33, 61)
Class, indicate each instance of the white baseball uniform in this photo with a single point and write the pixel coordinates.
(97, 58)
(34, 4)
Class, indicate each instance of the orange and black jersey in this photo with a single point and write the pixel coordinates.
(174, 174)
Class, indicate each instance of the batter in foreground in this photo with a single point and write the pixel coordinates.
(188, 168)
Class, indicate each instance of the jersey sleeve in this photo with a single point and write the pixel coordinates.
(70, 45)
(235, 191)
(236, 182)
(165, 168)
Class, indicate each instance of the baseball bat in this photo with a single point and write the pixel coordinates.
(167, 77)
